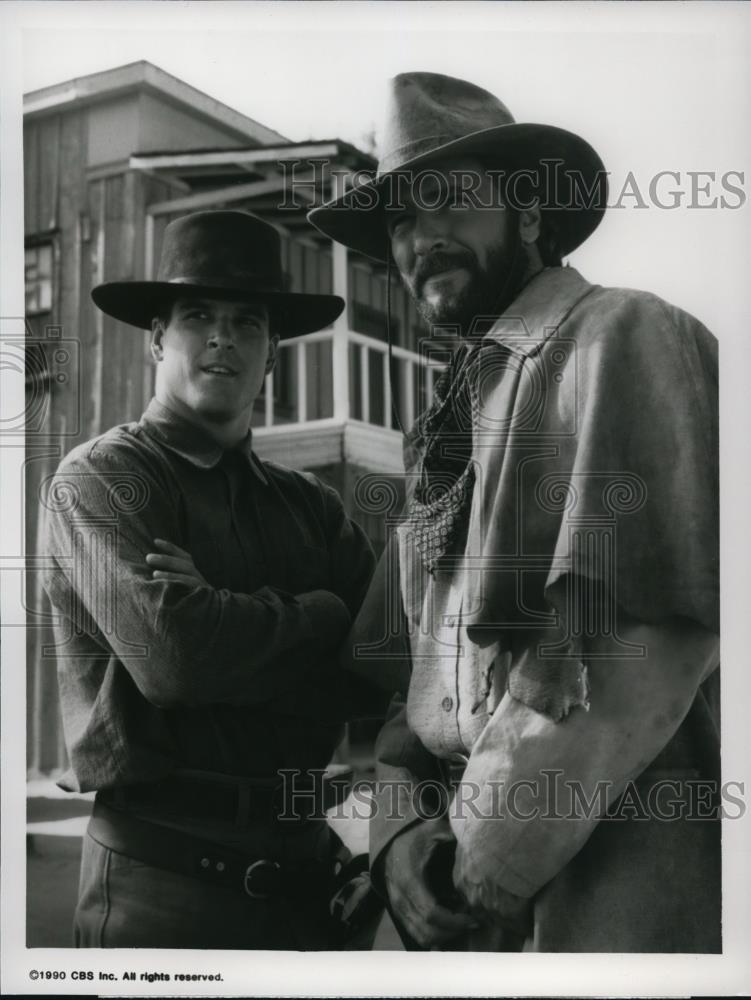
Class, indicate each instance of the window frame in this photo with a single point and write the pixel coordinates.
(38, 242)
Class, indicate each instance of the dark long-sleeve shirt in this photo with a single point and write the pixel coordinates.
(237, 677)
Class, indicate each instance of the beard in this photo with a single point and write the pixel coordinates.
(475, 306)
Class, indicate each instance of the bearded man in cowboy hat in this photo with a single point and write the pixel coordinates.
(557, 559)
(201, 595)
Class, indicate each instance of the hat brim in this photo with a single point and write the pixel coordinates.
(293, 314)
(357, 219)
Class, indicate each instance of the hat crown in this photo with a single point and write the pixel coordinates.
(228, 249)
(431, 116)
(226, 255)
(428, 110)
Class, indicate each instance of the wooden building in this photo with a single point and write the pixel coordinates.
(109, 160)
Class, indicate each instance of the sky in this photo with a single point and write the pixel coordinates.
(647, 85)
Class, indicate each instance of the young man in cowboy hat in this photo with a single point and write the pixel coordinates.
(202, 594)
(558, 559)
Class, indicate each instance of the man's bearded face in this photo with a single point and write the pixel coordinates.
(454, 248)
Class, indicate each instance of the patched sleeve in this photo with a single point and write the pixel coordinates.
(641, 505)
(537, 785)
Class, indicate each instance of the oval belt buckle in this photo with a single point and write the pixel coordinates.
(263, 864)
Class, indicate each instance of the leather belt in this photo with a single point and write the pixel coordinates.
(176, 851)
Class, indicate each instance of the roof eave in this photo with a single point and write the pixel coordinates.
(144, 75)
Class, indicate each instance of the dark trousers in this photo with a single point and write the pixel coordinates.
(124, 903)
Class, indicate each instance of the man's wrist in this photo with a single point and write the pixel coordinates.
(378, 861)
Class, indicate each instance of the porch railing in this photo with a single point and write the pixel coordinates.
(344, 375)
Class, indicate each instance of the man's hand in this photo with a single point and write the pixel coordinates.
(407, 871)
(174, 564)
(485, 897)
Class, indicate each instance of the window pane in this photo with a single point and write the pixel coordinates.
(285, 385)
(44, 261)
(32, 298)
(372, 322)
(45, 295)
(30, 260)
(319, 380)
(355, 387)
(377, 401)
(38, 278)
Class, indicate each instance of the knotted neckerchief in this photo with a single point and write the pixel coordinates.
(438, 511)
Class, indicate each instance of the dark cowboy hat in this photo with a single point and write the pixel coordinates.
(430, 117)
(227, 255)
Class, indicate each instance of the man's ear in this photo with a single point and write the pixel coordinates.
(529, 224)
(273, 350)
(157, 332)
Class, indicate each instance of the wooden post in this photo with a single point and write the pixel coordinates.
(409, 387)
(365, 382)
(98, 366)
(148, 250)
(268, 407)
(340, 364)
(302, 383)
(149, 376)
(386, 392)
(340, 342)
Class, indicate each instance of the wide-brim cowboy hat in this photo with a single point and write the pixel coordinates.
(430, 117)
(221, 255)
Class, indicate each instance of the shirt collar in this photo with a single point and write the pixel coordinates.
(192, 443)
(539, 309)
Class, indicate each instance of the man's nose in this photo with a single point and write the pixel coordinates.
(430, 231)
(221, 334)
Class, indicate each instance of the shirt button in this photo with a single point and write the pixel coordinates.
(447, 704)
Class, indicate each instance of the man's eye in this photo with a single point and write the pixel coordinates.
(398, 222)
(196, 314)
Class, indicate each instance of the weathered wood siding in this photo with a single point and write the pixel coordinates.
(54, 152)
(367, 285)
(97, 227)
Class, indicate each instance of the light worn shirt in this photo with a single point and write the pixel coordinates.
(237, 677)
(595, 452)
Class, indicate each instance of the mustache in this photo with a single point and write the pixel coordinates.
(437, 262)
